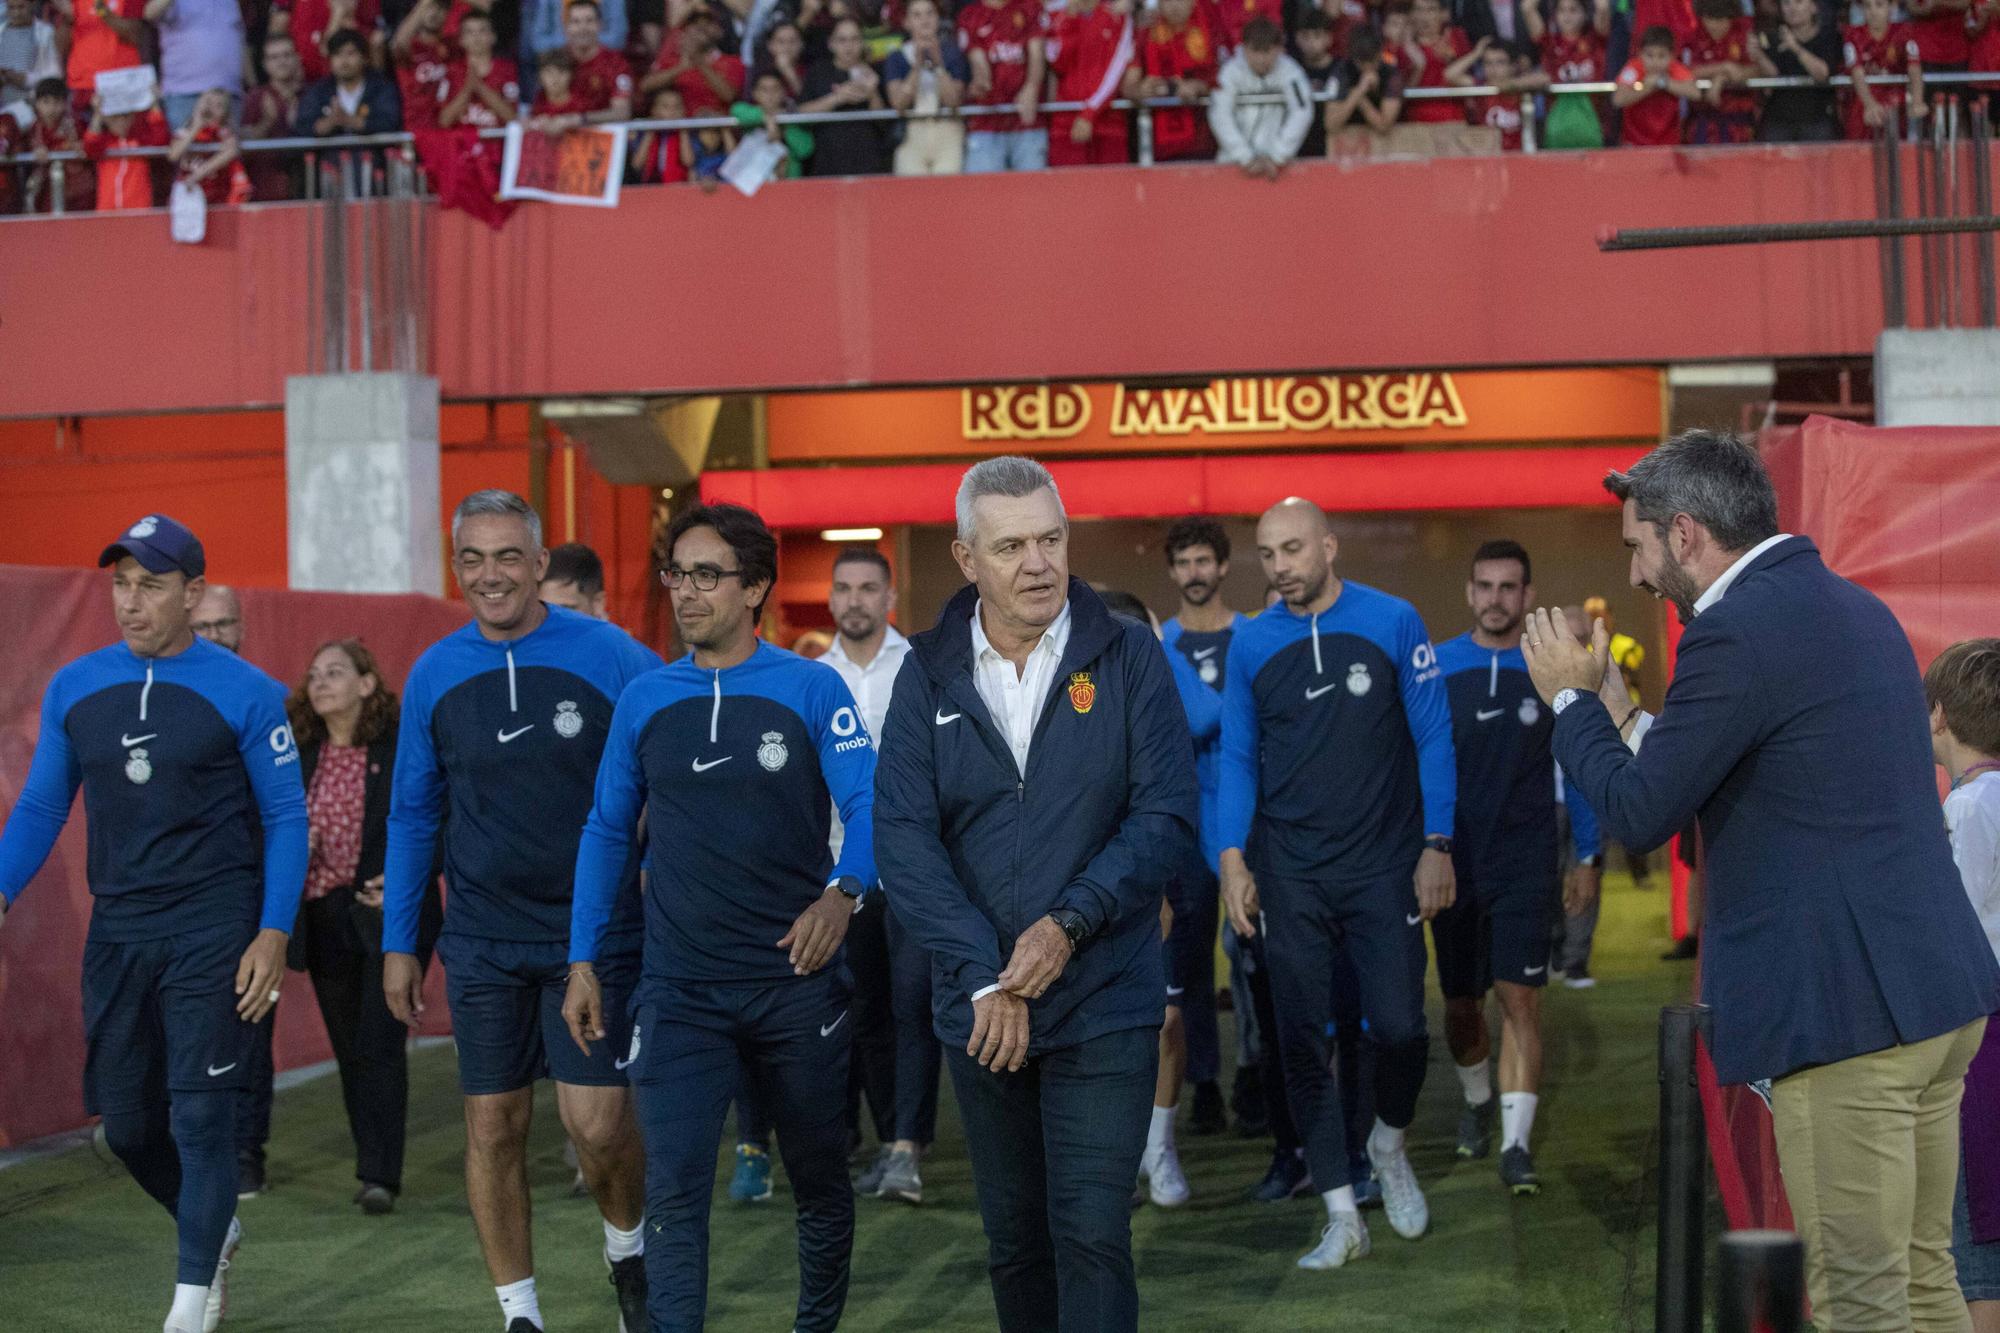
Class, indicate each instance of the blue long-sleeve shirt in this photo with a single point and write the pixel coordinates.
(737, 771)
(1500, 730)
(182, 761)
(1336, 740)
(1205, 655)
(499, 744)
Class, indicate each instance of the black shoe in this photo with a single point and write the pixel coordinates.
(1517, 1172)
(250, 1180)
(628, 1279)
(1287, 1178)
(1475, 1129)
(524, 1325)
(1684, 950)
(1208, 1116)
(1246, 1099)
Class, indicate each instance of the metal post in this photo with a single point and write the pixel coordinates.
(333, 263)
(1677, 1293)
(365, 220)
(1528, 144)
(1982, 205)
(1948, 191)
(1145, 119)
(1926, 150)
(1762, 1280)
(58, 187)
(1895, 298)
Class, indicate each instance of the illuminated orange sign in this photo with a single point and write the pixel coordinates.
(1422, 407)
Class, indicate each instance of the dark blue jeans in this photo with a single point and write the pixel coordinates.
(1055, 1149)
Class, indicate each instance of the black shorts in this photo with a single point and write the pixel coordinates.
(159, 1016)
(506, 1015)
(1494, 933)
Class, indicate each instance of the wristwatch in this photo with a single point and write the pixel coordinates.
(1437, 842)
(855, 891)
(1594, 860)
(1073, 925)
(1563, 699)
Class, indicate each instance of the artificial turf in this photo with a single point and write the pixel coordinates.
(82, 1249)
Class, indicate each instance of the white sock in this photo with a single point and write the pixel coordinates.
(518, 1301)
(189, 1308)
(1160, 1134)
(1384, 1141)
(1477, 1080)
(1517, 1118)
(1338, 1201)
(624, 1244)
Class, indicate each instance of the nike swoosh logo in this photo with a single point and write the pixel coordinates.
(1535, 971)
(944, 717)
(506, 736)
(213, 1072)
(700, 767)
(1202, 654)
(1488, 714)
(620, 1064)
(1414, 920)
(827, 1031)
(1314, 694)
(134, 740)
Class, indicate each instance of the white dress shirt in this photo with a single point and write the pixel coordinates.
(871, 686)
(1972, 817)
(1015, 698)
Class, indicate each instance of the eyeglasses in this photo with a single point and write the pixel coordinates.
(211, 626)
(703, 577)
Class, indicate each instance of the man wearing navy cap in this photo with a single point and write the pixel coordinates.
(183, 754)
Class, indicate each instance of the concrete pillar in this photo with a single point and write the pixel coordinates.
(361, 483)
(1937, 377)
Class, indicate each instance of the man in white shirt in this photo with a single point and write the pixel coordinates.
(1261, 137)
(897, 1057)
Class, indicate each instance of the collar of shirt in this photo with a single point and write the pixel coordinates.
(1015, 698)
(890, 654)
(871, 685)
(1729, 575)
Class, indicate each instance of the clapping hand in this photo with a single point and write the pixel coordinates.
(1557, 661)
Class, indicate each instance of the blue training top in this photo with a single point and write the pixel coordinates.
(1206, 653)
(1500, 732)
(500, 741)
(737, 771)
(1336, 740)
(182, 761)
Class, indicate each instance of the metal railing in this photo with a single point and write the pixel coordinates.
(312, 149)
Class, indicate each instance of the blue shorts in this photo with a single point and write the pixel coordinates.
(159, 1016)
(506, 1014)
(1494, 932)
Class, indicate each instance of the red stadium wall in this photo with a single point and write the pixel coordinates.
(56, 615)
(1081, 274)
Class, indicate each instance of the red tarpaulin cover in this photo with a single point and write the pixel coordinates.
(53, 616)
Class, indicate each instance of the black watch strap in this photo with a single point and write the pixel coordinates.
(1437, 842)
(1073, 925)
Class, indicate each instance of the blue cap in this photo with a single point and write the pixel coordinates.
(159, 544)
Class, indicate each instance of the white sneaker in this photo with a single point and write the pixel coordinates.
(1166, 1184)
(1402, 1199)
(1345, 1237)
(218, 1290)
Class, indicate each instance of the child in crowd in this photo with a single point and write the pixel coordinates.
(1177, 57)
(54, 131)
(662, 157)
(1718, 49)
(1649, 92)
(1880, 45)
(1312, 47)
(1436, 44)
(1963, 688)
(770, 99)
(1494, 65)
(559, 108)
(1369, 92)
(220, 174)
(1574, 53)
(125, 182)
(1398, 27)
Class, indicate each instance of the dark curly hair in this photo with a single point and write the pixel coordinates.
(378, 711)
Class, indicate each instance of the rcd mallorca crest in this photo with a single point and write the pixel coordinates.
(1358, 680)
(138, 768)
(772, 753)
(1531, 711)
(568, 721)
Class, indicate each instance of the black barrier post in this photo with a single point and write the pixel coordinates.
(1762, 1276)
(1677, 1287)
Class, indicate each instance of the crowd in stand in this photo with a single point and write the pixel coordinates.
(1343, 72)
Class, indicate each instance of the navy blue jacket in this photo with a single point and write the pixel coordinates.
(183, 761)
(972, 853)
(1506, 814)
(737, 771)
(1796, 729)
(499, 743)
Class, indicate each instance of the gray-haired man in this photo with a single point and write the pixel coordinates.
(1034, 794)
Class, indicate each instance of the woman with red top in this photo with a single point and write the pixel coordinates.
(1436, 44)
(784, 56)
(345, 720)
(1940, 29)
(220, 174)
(481, 89)
(1574, 53)
(1879, 45)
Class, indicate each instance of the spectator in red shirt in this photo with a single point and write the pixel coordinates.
(1493, 65)
(1649, 92)
(558, 107)
(125, 182)
(268, 113)
(314, 23)
(1573, 53)
(601, 78)
(1090, 48)
(1984, 24)
(1228, 18)
(103, 34)
(483, 89)
(1879, 45)
(1435, 45)
(1942, 41)
(422, 57)
(692, 60)
(220, 174)
(662, 157)
(1003, 43)
(1719, 49)
(1397, 30)
(54, 131)
(1178, 59)
(1368, 96)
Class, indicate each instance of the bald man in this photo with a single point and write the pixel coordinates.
(1337, 794)
(218, 617)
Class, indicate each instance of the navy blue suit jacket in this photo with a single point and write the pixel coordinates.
(1796, 729)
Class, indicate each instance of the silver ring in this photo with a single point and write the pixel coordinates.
(274, 997)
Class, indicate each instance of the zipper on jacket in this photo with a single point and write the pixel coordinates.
(513, 704)
(147, 690)
(1493, 678)
(1318, 669)
(715, 713)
